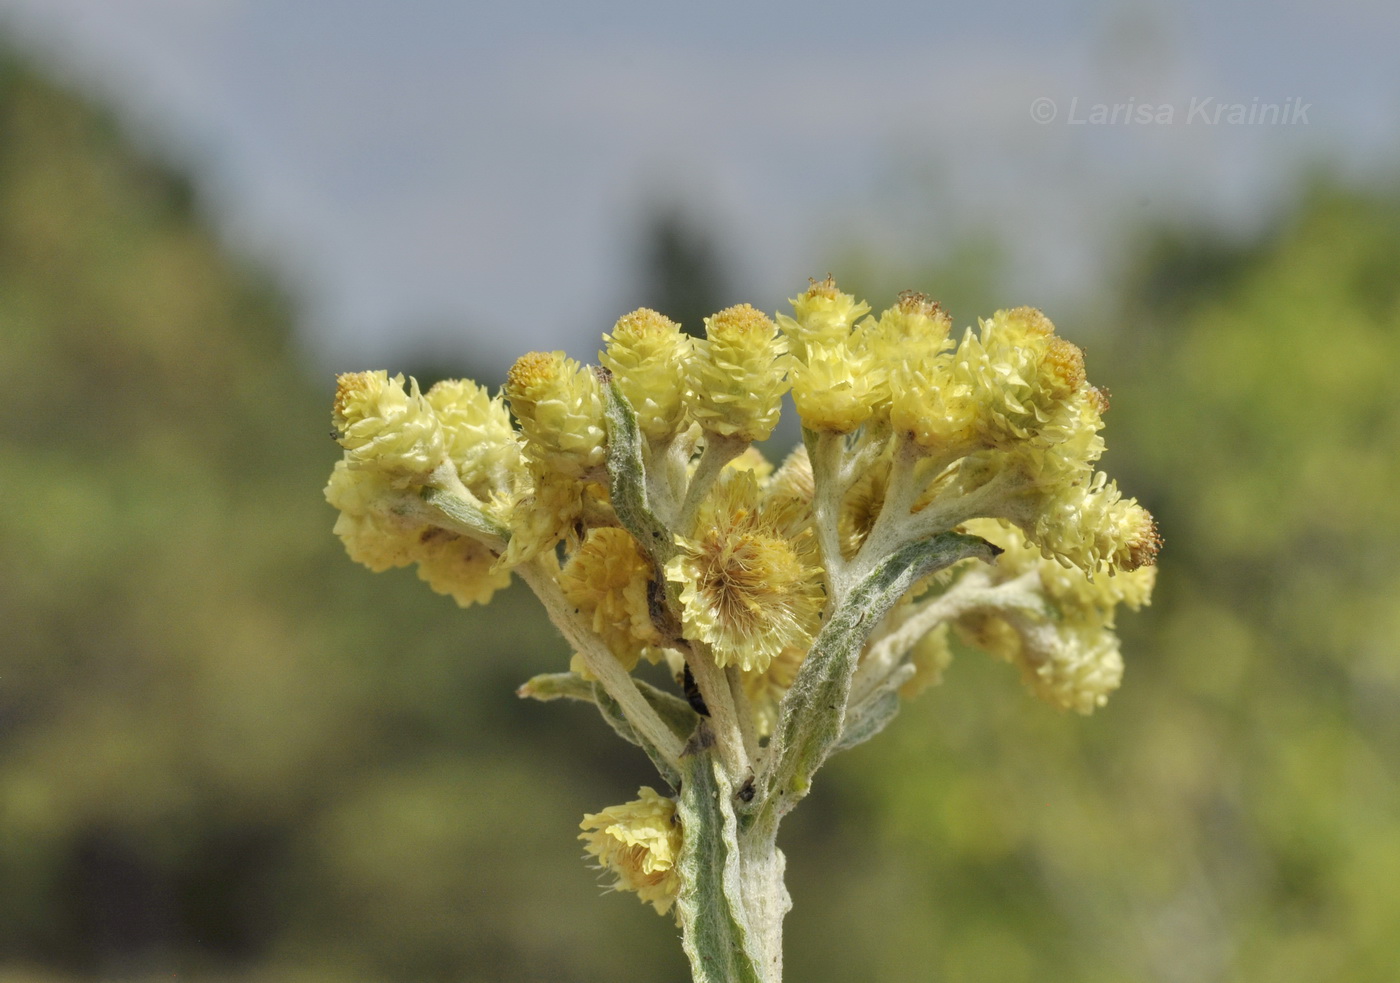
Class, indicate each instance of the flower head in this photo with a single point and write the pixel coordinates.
(647, 354)
(559, 404)
(480, 439)
(835, 387)
(1067, 652)
(383, 428)
(638, 843)
(608, 580)
(747, 589)
(738, 374)
(822, 315)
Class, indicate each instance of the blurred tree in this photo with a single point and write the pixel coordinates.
(682, 274)
(225, 750)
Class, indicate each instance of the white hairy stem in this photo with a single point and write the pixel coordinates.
(724, 715)
(601, 663)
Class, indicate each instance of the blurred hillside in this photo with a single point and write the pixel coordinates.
(226, 752)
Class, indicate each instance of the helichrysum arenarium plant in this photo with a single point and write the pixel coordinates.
(945, 487)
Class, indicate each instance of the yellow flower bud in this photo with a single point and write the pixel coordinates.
(373, 535)
(913, 329)
(560, 408)
(383, 428)
(1069, 656)
(457, 566)
(1078, 671)
(835, 388)
(738, 374)
(480, 438)
(646, 354)
(1091, 525)
(823, 315)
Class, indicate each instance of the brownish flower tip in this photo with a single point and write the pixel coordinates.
(913, 302)
(1063, 367)
(1099, 396)
(644, 323)
(1143, 549)
(346, 384)
(823, 288)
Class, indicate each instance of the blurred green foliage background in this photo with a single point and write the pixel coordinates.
(228, 753)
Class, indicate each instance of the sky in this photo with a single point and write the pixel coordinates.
(447, 175)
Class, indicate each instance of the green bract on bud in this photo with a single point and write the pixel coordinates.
(738, 374)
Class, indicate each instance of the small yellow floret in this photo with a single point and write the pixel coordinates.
(638, 843)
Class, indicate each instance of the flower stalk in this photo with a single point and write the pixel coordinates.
(944, 492)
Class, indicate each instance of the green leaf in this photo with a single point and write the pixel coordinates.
(464, 517)
(628, 480)
(673, 711)
(813, 710)
(710, 901)
(864, 722)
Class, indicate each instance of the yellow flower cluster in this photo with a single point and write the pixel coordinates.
(1069, 654)
(608, 579)
(1010, 400)
(629, 499)
(397, 440)
(646, 353)
(638, 843)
